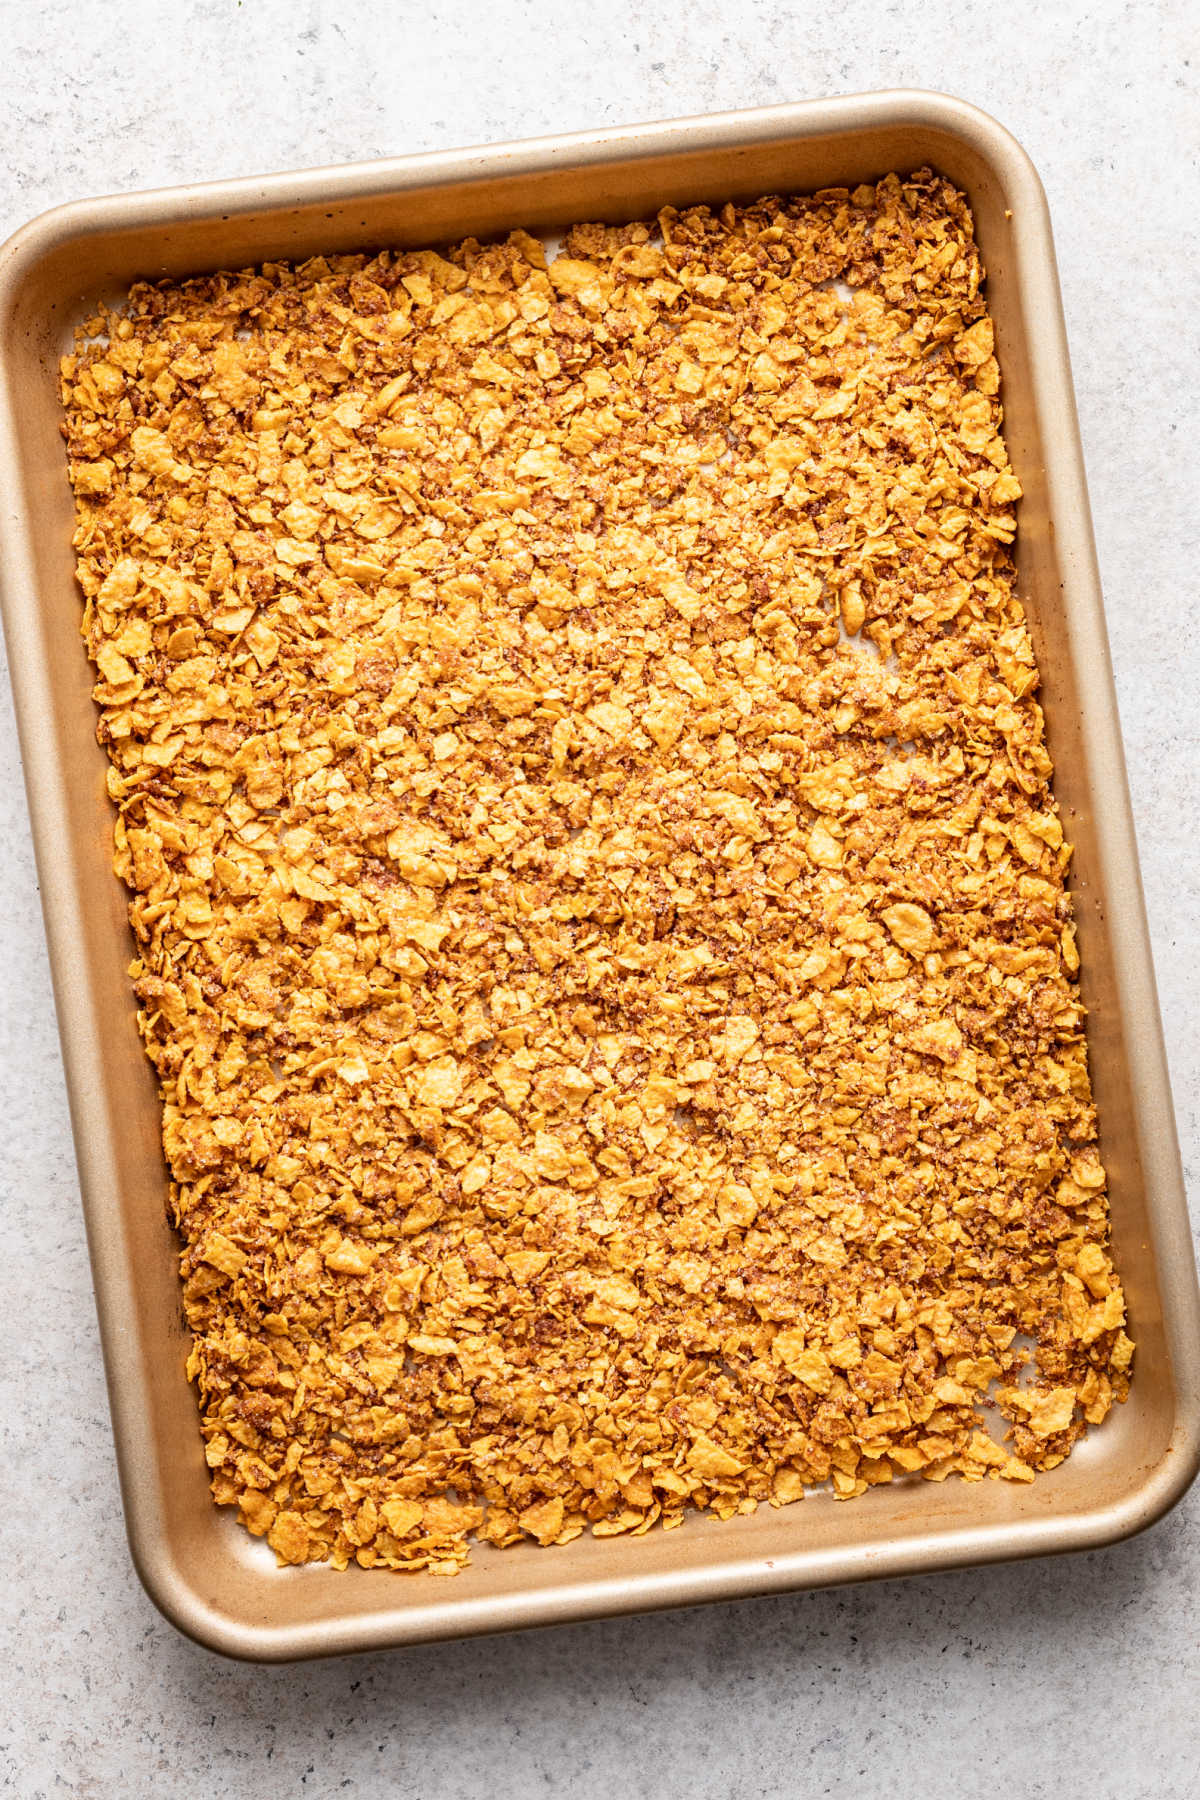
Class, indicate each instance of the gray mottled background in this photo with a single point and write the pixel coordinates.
(1070, 1678)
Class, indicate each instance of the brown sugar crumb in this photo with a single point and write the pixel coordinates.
(601, 915)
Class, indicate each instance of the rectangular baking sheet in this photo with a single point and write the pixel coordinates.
(208, 1576)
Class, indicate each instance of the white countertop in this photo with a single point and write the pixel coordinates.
(1069, 1678)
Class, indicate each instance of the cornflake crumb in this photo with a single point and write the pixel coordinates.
(600, 909)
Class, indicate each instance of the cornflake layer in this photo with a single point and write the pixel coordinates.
(600, 910)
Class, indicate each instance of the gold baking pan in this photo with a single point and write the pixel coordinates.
(207, 1574)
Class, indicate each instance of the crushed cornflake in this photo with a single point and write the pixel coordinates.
(601, 914)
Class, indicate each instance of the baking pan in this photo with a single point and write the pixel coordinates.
(209, 1576)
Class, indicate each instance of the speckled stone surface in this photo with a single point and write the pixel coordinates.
(1070, 1678)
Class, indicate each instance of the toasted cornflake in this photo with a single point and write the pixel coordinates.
(289, 1538)
(599, 906)
(911, 926)
(1051, 1413)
